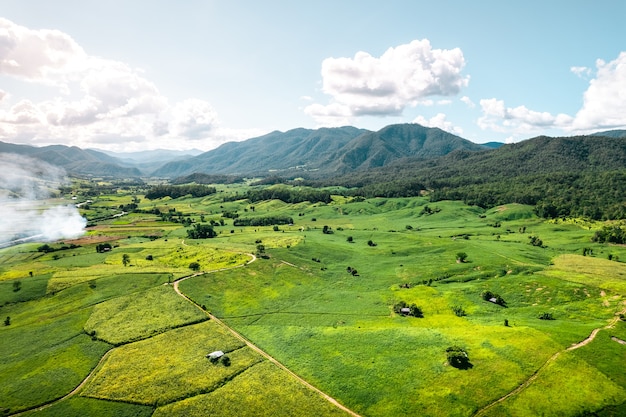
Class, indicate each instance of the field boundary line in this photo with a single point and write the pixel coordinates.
(255, 347)
(551, 359)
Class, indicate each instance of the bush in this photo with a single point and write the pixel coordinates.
(458, 311)
(546, 316)
(461, 257)
(457, 357)
(194, 266)
(225, 360)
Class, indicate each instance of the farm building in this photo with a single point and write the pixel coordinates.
(215, 355)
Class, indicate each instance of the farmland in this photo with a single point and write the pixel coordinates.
(319, 299)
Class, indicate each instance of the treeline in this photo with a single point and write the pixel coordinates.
(286, 194)
(176, 191)
(262, 221)
(593, 195)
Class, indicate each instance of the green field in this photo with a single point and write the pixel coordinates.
(322, 304)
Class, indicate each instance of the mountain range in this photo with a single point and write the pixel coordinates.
(332, 153)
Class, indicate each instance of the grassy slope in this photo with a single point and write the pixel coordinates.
(336, 330)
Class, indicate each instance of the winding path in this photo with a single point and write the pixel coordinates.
(552, 358)
(255, 347)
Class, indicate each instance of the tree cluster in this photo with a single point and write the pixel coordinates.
(176, 191)
(457, 357)
(263, 221)
(493, 297)
(610, 234)
(413, 310)
(201, 231)
(289, 195)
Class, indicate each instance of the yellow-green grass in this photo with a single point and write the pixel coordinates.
(592, 271)
(172, 257)
(141, 315)
(81, 407)
(568, 386)
(45, 358)
(261, 391)
(170, 366)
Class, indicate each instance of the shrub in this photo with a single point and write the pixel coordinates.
(457, 357)
(461, 257)
(194, 266)
(546, 316)
(225, 360)
(458, 311)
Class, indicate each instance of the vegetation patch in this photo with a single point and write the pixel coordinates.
(170, 366)
(141, 315)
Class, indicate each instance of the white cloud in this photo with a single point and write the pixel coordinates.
(581, 71)
(403, 76)
(97, 99)
(604, 106)
(604, 102)
(439, 120)
(497, 117)
(468, 102)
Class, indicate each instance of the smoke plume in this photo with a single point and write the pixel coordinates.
(26, 207)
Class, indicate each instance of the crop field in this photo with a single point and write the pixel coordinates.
(101, 332)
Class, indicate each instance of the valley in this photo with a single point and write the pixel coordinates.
(319, 299)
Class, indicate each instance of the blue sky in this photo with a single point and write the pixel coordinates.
(135, 75)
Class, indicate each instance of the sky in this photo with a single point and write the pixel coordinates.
(153, 74)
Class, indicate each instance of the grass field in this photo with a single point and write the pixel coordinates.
(302, 305)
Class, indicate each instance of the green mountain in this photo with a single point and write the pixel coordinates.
(75, 160)
(570, 176)
(320, 153)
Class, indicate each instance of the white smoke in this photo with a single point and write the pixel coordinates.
(26, 207)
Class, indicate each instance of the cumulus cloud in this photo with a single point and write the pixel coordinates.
(604, 102)
(497, 117)
(96, 97)
(440, 121)
(383, 86)
(604, 106)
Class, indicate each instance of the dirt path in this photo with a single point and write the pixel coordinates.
(256, 348)
(552, 358)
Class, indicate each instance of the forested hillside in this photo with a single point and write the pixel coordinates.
(574, 176)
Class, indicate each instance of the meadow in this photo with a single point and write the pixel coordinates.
(319, 299)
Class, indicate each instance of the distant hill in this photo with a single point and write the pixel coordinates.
(75, 160)
(320, 153)
(612, 134)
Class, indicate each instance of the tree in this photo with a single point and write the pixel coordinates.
(416, 311)
(461, 257)
(125, 259)
(459, 311)
(194, 266)
(327, 230)
(350, 239)
(225, 360)
(7, 321)
(506, 323)
(457, 357)
(17, 285)
(371, 243)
